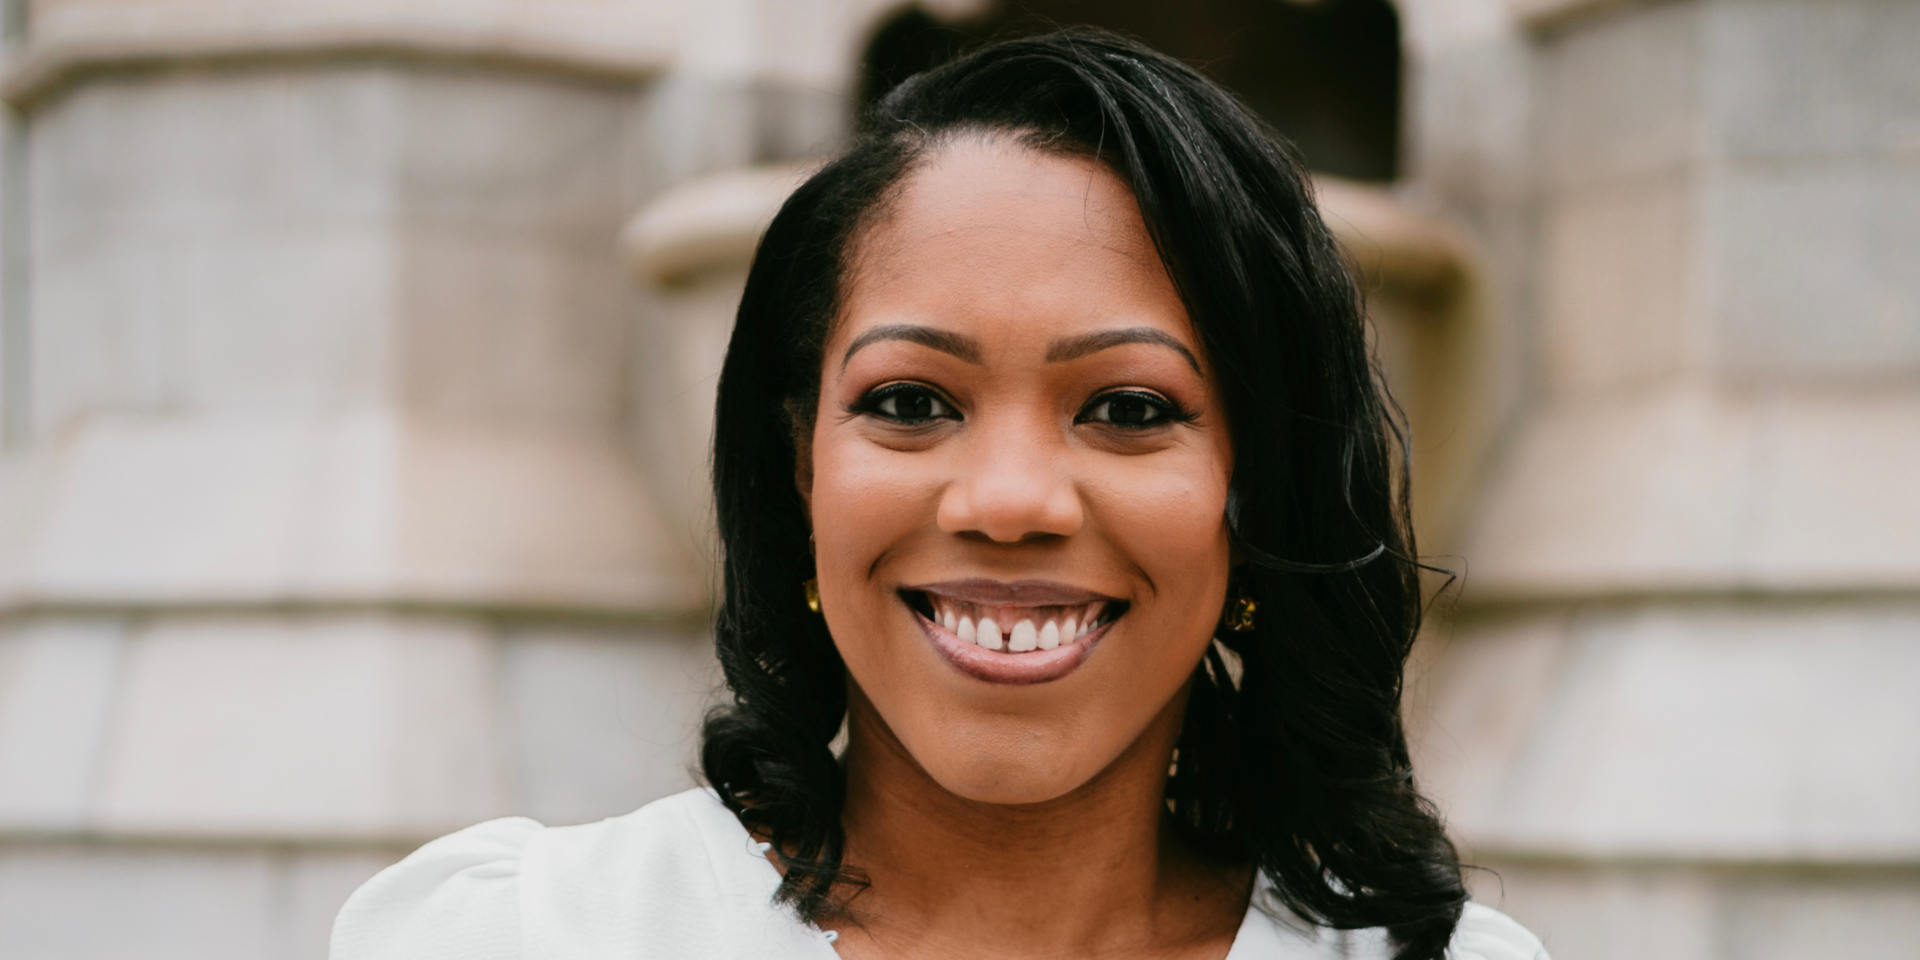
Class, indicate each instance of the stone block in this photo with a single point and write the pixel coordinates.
(501, 326)
(1619, 95)
(1816, 269)
(1683, 490)
(84, 902)
(1648, 493)
(1468, 137)
(1838, 510)
(1812, 78)
(510, 153)
(1619, 277)
(147, 155)
(251, 318)
(600, 722)
(1721, 731)
(1856, 916)
(57, 684)
(1478, 688)
(213, 508)
(540, 519)
(364, 727)
(309, 240)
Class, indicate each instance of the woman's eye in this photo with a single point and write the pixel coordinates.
(909, 404)
(1134, 410)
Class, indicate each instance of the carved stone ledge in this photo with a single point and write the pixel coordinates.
(69, 38)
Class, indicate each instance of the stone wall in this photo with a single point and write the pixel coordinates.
(324, 531)
(1670, 710)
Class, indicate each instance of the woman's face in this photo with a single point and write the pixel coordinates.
(1018, 474)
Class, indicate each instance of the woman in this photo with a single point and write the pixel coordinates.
(1050, 467)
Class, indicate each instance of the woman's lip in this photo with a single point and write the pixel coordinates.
(993, 666)
(1026, 593)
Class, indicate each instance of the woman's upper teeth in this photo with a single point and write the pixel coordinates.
(1016, 629)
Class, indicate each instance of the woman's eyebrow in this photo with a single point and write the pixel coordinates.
(945, 341)
(1073, 348)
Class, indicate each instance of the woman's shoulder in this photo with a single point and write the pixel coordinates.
(1487, 934)
(1272, 932)
(457, 896)
(678, 877)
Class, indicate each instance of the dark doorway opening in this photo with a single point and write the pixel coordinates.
(1325, 73)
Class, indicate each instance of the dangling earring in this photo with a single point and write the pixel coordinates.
(1239, 618)
(813, 595)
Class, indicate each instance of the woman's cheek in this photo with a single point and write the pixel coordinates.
(865, 501)
(1171, 523)
(1167, 517)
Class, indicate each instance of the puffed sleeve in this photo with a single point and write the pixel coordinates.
(457, 898)
(1487, 934)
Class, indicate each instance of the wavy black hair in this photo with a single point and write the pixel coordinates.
(1292, 757)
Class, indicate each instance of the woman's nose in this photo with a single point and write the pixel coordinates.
(1013, 485)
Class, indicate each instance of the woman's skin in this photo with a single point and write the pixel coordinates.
(968, 444)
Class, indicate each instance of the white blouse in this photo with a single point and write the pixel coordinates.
(680, 878)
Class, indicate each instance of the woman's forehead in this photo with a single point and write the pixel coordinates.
(998, 185)
(993, 230)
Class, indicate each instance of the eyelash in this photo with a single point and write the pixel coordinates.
(1165, 410)
(875, 402)
(872, 404)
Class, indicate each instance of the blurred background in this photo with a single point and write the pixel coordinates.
(356, 361)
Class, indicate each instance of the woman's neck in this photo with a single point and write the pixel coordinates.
(1094, 873)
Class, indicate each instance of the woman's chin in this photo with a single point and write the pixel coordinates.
(1012, 794)
(1010, 782)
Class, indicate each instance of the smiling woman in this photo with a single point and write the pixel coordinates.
(1050, 466)
(1037, 457)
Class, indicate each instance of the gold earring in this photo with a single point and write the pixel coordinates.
(1240, 614)
(813, 595)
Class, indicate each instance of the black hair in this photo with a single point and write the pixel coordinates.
(1292, 757)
